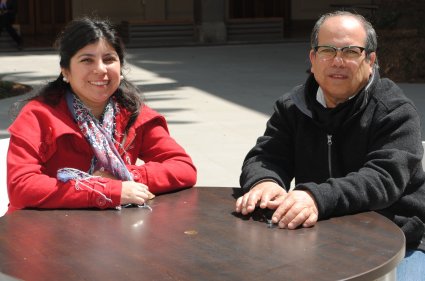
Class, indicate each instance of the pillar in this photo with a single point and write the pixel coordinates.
(209, 18)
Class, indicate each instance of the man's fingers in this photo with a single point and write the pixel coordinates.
(275, 202)
(238, 205)
(299, 218)
(246, 203)
(281, 211)
(251, 202)
(261, 194)
(264, 200)
(295, 217)
(312, 220)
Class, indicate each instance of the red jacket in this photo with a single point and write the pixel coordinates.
(46, 138)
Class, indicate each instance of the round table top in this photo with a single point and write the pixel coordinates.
(193, 234)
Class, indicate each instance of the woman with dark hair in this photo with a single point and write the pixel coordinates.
(76, 143)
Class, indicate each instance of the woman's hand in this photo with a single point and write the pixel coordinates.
(135, 193)
(132, 192)
(104, 174)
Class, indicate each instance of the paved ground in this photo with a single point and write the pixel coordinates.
(216, 99)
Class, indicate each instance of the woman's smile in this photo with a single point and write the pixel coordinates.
(100, 83)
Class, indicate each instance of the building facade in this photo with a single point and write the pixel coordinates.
(162, 22)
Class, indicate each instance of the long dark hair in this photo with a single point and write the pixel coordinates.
(76, 35)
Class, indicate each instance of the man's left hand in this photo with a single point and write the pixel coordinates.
(295, 209)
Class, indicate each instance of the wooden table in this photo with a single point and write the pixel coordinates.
(193, 235)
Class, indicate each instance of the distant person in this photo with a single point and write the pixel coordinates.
(75, 144)
(8, 11)
(349, 138)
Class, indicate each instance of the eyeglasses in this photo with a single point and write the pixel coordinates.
(347, 52)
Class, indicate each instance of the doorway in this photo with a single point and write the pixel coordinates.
(258, 19)
(239, 9)
(40, 21)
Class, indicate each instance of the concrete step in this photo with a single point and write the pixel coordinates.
(140, 34)
(6, 42)
(255, 29)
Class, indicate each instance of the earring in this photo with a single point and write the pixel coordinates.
(121, 77)
(65, 80)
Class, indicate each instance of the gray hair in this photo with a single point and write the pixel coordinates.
(371, 43)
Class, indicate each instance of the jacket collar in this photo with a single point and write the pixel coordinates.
(66, 124)
(299, 93)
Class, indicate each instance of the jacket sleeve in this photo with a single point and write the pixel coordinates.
(392, 161)
(167, 166)
(272, 157)
(31, 179)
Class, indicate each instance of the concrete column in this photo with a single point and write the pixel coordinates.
(210, 21)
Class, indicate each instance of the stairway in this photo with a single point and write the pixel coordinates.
(7, 43)
(256, 29)
(145, 34)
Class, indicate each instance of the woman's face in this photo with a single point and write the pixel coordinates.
(94, 74)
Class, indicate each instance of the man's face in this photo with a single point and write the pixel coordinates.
(341, 77)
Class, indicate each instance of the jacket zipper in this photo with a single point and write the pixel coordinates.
(330, 155)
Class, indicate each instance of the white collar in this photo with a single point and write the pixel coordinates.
(320, 97)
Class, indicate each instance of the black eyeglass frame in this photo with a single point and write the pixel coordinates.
(315, 48)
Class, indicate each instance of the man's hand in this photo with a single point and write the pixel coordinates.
(262, 194)
(296, 208)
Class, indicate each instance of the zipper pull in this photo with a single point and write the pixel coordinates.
(329, 139)
(330, 154)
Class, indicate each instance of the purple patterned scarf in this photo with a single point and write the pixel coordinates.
(100, 135)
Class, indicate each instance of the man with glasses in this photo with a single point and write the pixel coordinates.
(349, 138)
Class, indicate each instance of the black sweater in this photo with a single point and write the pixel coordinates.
(370, 160)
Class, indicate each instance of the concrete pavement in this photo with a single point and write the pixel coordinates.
(216, 99)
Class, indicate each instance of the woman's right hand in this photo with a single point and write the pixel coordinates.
(135, 193)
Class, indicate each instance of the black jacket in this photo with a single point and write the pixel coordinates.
(371, 161)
